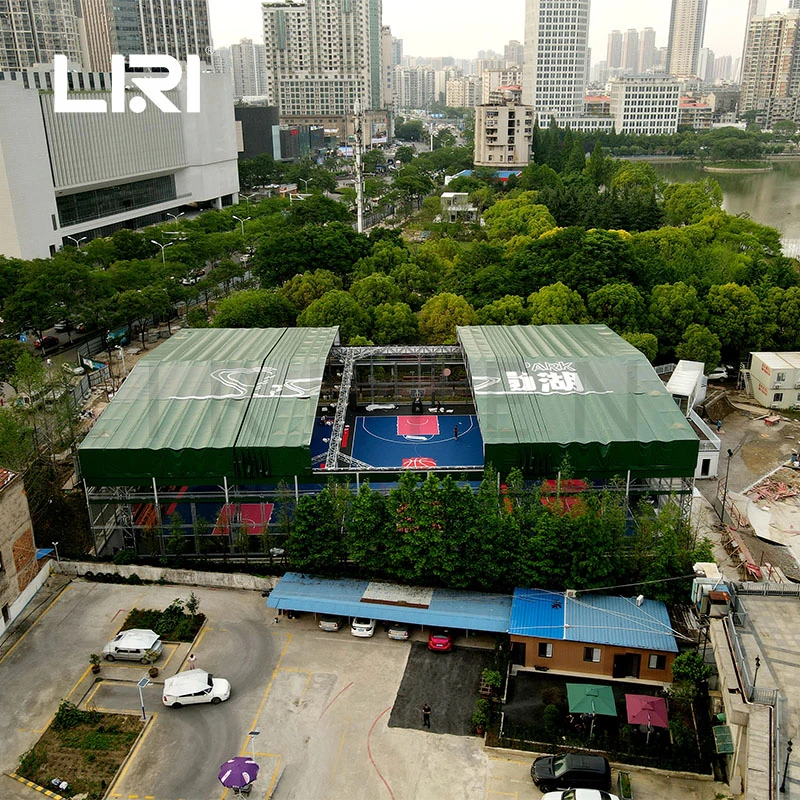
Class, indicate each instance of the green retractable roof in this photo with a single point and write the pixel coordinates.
(548, 392)
(213, 403)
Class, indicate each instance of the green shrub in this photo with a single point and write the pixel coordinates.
(31, 761)
(124, 557)
(68, 716)
(552, 720)
(492, 678)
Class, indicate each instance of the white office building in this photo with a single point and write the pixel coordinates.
(645, 104)
(463, 92)
(323, 56)
(69, 176)
(494, 78)
(556, 50)
(687, 25)
(249, 69)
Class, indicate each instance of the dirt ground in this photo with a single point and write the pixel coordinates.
(448, 682)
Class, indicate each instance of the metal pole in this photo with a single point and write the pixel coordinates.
(725, 490)
(158, 518)
(58, 560)
(755, 675)
(786, 765)
(359, 173)
(141, 703)
(296, 490)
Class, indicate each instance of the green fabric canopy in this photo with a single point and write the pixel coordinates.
(210, 404)
(580, 394)
(591, 698)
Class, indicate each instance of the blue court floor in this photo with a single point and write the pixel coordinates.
(376, 442)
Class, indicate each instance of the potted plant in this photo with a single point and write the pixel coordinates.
(480, 717)
(94, 660)
(149, 658)
(153, 671)
(491, 681)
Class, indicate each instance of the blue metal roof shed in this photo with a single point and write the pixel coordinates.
(441, 608)
(592, 618)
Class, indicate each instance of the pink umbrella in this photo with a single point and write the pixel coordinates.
(646, 710)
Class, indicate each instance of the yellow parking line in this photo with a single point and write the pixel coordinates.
(35, 623)
(78, 682)
(172, 653)
(92, 693)
(294, 669)
(153, 720)
(274, 778)
(339, 751)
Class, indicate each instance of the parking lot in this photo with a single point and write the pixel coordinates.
(322, 702)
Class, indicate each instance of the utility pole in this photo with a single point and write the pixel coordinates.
(359, 143)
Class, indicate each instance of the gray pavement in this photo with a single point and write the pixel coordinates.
(322, 702)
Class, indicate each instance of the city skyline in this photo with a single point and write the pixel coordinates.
(458, 35)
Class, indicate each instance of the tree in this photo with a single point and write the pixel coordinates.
(410, 131)
(366, 531)
(673, 308)
(177, 541)
(688, 203)
(599, 167)
(645, 342)
(257, 308)
(699, 344)
(557, 305)
(303, 289)
(405, 153)
(315, 541)
(736, 316)
(317, 209)
(508, 310)
(394, 323)
(10, 352)
(337, 308)
(412, 183)
(618, 305)
(520, 215)
(374, 290)
(440, 316)
(197, 317)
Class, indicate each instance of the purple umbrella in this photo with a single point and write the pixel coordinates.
(238, 772)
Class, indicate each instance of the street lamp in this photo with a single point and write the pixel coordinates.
(122, 356)
(76, 242)
(725, 491)
(786, 765)
(175, 217)
(306, 181)
(55, 545)
(252, 734)
(143, 684)
(242, 221)
(248, 196)
(163, 248)
(755, 675)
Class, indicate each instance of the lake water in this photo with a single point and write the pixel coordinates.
(771, 198)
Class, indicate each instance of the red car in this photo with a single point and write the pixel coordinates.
(47, 341)
(440, 641)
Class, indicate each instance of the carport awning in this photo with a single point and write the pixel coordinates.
(441, 608)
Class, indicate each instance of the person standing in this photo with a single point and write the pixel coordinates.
(192, 661)
(426, 716)
(719, 425)
(455, 432)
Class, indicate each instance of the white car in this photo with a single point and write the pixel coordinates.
(399, 631)
(330, 623)
(580, 794)
(718, 374)
(135, 644)
(362, 627)
(195, 686)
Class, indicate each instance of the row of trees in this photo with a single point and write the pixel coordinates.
(440, 532)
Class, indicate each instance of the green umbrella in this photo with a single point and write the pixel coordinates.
(590, 698)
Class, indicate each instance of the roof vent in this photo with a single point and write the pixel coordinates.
(571, 593)
(639, 600)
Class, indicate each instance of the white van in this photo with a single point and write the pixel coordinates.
(195, 686)
(133, 645)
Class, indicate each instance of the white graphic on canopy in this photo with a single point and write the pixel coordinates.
(558, 377)
(256, 382)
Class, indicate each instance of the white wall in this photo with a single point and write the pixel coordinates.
(25, 597)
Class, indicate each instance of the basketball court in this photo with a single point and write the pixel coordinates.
(418, 442)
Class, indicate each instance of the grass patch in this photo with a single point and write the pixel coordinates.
(84, 748)
(179, 622)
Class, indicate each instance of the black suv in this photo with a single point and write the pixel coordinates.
(571, 771)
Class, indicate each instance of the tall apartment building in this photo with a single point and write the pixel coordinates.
(647, 50)
(556, 45)
(630, 50)
(440, 79)
(504, 135)
(645, 104)
(705, 65)
(722, 68)
(323, 56)
(32, 32)
(794, 4)
(415, 87)
(463, 92)
(771, 67)
(221, 61)
(387, 69)
(174, 29)
(514, 54)
(757, 8)
(89, 175)
(687, 25)
(614, 52)
(492, 78)
(397, 51)
(249, 69)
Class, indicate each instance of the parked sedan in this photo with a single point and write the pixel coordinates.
(362, 627)
(440, 641)
(399, 631)
(46, 341)
(328, 622)
(580, 794)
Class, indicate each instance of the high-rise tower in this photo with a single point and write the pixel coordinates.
(33, 32)
(687, 26)
(556, 43)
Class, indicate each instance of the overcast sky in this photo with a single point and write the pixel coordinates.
(460, 28)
